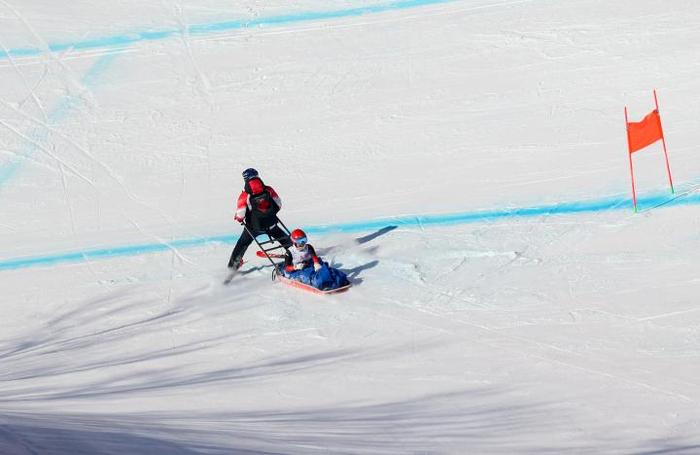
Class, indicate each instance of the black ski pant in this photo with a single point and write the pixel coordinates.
(246, 239)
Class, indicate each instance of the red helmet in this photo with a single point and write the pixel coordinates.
(298, 237)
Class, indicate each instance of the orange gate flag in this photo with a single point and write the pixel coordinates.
(642, 134)
(646, 132)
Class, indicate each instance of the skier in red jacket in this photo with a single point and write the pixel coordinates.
(257, 206)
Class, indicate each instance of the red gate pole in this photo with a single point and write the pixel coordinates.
(629, 154)
(663, 141)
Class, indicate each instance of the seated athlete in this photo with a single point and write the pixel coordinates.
(301, 254)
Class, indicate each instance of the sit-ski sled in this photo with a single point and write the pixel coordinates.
(277, 275)
(270, 249)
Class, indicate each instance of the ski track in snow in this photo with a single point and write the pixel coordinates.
(36, 138)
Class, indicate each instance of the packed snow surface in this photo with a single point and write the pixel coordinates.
(465, 162)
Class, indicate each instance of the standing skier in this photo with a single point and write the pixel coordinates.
(257, 207)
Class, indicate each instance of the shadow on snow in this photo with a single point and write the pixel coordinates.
(44, 367)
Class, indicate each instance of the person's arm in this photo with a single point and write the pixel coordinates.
(241, 207)
(315, 258)
(288, 263)
(275, 196)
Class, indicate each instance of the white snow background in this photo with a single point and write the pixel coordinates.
(463, 161)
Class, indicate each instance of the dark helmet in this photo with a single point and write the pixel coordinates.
(249, 174)
(298, 237)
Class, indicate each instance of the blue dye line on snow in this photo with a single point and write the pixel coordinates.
(569, 208)
(127, 39)
(64, 107)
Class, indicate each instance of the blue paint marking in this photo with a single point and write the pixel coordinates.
(92, 77)
(127, 39)
(132, 250)
(37, 136)
(569, 208)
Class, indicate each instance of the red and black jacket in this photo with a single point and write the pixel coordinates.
(258, 205)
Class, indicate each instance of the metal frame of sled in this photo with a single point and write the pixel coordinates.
(266, 252)
(270, 240)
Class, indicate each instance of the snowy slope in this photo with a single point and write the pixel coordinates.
(464, 162)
